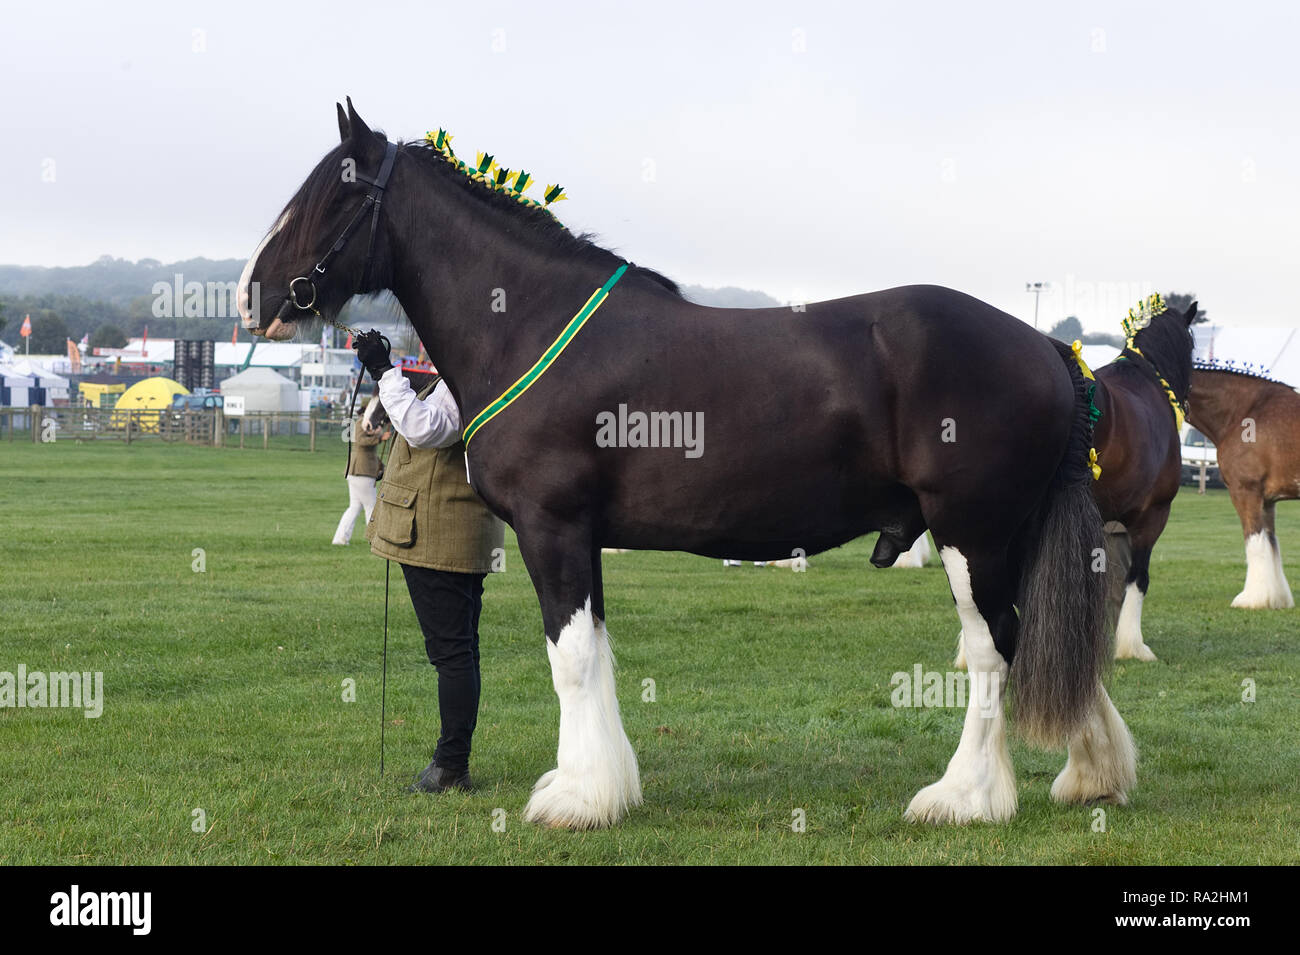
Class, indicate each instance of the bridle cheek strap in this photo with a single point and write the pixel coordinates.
(373, 200)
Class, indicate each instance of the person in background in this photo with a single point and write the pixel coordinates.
(430, 521)
(363, 471)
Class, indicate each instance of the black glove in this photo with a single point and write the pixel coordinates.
(372, 350)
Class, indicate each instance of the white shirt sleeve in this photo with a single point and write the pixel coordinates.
(433, 422)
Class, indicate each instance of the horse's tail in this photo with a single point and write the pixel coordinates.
(1062, 646)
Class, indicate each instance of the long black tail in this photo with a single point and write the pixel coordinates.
(1062, 647)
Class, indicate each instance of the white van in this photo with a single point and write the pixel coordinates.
(1198, 451)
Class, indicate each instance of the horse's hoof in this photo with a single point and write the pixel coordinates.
(945, 803)
(560, 802)
(1141, 652)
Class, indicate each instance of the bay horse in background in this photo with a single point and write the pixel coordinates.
(1141, 396)
(905, 409)
(1254, 422)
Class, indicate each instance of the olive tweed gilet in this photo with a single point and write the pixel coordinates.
(427, 515)
(364, 459)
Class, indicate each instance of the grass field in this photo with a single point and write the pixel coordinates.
(224, 692)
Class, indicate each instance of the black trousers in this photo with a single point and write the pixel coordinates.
(448, 605)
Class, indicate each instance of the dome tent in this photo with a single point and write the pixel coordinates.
(262, 390)
(151, 394)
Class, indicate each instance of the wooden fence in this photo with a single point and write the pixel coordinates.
(306, 431)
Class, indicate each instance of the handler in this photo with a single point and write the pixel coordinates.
(430, 521)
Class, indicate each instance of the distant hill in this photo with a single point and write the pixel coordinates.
(116, 281)
(77, 300)
(729, 297)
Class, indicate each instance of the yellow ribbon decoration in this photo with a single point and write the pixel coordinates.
(1077, 348)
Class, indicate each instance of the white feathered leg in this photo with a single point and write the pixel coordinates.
(1266, 585)
(1103, 759)
(979, 783)
(596, 778)
(1128, 631)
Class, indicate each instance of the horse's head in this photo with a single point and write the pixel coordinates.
(1166, 341)
(329, 243)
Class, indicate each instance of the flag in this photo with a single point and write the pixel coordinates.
(348, 343)
(84, 343)
(26, 330)
(74, 357)
(144, 344)
(234, 335)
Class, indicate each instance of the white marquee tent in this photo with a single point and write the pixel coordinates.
(1275, 350)
(56, 386)
(17, 390)
(262, 390)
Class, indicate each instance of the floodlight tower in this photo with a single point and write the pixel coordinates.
(1038, 288)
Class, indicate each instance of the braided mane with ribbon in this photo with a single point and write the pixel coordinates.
(494, 176)
(1138, 318)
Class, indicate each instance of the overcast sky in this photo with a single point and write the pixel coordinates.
(806, 149)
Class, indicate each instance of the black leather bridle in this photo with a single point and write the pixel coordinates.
(373, 200)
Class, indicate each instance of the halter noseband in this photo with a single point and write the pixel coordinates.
(372, 201)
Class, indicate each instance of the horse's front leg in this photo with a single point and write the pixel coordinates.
(1143, 533)
(596, 779)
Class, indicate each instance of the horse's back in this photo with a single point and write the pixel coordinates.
(849, 409)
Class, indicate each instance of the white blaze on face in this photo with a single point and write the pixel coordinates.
(244, 297)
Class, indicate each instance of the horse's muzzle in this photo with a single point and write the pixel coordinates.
(279, 329)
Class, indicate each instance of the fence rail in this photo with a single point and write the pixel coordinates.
(212, 427)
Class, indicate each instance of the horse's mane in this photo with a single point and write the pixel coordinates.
(1167, 344)
(312, 200)
(310, 203)
(1242, 371)
(537, 220)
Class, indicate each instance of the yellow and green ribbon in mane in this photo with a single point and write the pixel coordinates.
(529, 378)
(1094, 413)
(1138, 318)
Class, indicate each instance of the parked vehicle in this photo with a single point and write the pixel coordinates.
(196, 402)
(1198, 450)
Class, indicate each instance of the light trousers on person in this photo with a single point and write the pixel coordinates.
(361, 494)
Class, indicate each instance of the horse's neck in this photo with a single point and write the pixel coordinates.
(1217, 404)
(484, 302)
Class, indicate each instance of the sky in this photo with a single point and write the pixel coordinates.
(809, 150)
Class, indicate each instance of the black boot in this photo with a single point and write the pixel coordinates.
(436, 779)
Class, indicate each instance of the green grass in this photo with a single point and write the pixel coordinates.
(224, 692)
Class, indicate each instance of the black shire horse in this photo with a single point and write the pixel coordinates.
(895, 411)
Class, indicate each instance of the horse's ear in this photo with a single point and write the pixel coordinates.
(344, 130)
(1191, 313)
(357, 127)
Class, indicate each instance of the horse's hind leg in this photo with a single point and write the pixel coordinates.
(596, 778)
(1143, 533)
(979, 783)
(1118, 560)
(1103, 759)
(1266, 585)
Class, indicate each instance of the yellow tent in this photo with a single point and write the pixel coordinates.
(152, 394)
